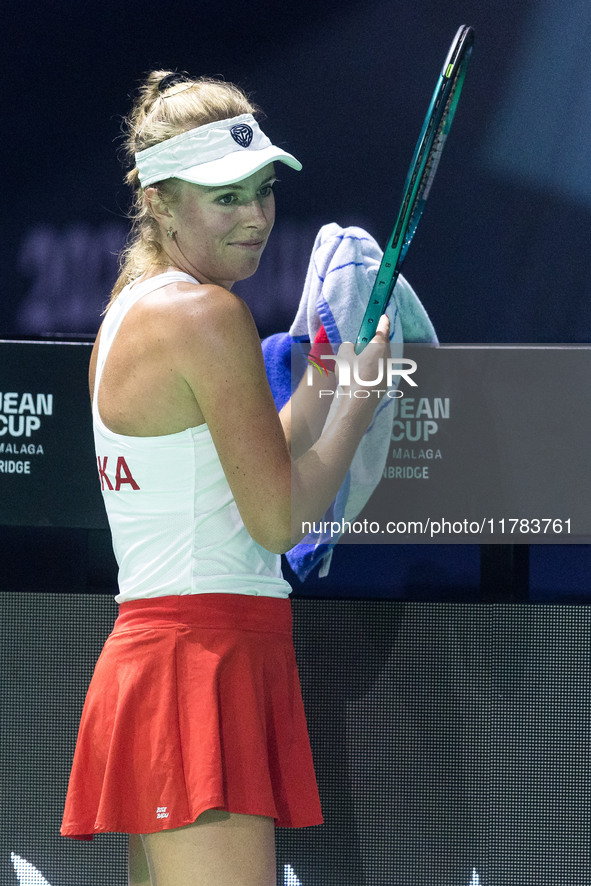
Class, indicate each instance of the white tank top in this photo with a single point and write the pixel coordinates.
(175, 525)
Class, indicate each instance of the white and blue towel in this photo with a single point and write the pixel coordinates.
(341, 273)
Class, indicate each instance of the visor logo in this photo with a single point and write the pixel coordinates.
(242, 134)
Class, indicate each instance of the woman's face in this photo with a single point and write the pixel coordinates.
(221, 232)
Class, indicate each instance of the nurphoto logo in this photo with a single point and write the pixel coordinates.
(390, 372)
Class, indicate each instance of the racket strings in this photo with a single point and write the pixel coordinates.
(441, 135)
(432, 145)
(418, 170)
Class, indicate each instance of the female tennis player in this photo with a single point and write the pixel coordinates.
(193, 738)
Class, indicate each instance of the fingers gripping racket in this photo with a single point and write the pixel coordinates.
(419, 179)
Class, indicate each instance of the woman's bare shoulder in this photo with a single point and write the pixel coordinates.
(195, 309)
(201, 322)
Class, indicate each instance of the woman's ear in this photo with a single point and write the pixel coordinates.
(157, 208)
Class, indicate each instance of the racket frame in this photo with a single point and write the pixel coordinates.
(419, 179)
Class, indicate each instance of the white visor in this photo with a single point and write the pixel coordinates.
(218, 153)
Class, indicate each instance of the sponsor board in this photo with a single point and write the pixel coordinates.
(47, 467)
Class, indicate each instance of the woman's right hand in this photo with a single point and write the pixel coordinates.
(356, 370)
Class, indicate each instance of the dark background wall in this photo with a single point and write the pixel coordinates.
(501, 254)
(448, 739)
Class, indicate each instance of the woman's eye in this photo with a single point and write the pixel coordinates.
(266, 190)
(227, 199)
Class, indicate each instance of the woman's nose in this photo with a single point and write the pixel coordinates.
(257, 215)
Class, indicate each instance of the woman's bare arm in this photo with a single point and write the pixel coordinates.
(218, 352)
(304, 415)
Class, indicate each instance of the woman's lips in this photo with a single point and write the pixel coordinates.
(251, 245)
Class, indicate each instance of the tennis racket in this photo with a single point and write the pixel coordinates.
(419, 179)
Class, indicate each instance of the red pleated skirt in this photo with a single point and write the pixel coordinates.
(194, 704)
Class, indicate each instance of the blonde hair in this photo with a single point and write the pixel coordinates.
(166, 105)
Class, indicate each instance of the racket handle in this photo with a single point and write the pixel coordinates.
(375, 308)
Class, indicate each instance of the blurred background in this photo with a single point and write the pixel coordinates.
(501, 253)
